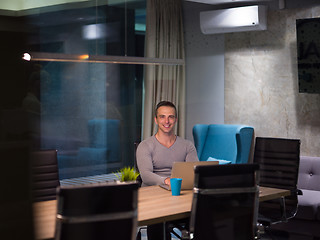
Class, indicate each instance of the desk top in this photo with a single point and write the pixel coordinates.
(155, 205)
(267, 193)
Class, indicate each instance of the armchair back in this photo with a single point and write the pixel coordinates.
(223, 141)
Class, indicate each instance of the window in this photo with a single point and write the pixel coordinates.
(90, 112)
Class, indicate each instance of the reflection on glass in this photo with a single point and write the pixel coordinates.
(89, 112)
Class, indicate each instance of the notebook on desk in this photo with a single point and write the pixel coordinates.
(185, 170)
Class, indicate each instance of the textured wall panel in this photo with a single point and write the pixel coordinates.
(261, 82)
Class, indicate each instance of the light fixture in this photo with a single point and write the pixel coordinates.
(78, 58)
(26, 56)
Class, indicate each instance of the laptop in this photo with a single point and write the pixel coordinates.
(185, 170)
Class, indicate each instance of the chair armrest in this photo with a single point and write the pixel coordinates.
(299, 192)
(296, 192)
(244, 137)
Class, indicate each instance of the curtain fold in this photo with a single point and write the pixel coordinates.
(164, 39)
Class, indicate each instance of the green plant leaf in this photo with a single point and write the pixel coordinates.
(127, 174)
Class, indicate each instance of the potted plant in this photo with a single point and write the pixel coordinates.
(127, 174)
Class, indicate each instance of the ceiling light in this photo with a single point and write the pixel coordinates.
(26, 56)
(60, 57)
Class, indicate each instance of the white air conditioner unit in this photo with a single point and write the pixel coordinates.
(240, 19)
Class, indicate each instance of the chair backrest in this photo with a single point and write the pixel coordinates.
(223, 141)
(225, 202)
(279, 160)
(97, 211)
(45, 174)
(105, 133)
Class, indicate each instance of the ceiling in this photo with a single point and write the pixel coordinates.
(21, 5)
(217, 2)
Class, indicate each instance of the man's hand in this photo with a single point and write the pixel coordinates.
(167, 181)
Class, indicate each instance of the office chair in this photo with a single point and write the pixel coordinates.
(97, 211)
(279, 160)
(45, 174)
(225, 202)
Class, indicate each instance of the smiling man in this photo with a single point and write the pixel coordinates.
(156, 154)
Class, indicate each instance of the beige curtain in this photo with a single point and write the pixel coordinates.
(164, 39)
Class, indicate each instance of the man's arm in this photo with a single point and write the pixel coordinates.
(192, 155)
(145, 165)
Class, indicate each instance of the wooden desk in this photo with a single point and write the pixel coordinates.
(155, 205)
(267, 193)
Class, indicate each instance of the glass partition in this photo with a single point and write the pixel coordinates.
(90, 112)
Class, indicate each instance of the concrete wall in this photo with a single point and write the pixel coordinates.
(261, 82)
(259, 86)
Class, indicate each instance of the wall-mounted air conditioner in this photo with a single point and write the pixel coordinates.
(240, 19)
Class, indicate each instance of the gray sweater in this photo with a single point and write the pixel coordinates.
(155, 160)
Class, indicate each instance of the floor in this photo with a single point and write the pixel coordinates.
(274, 236)
(144, 235)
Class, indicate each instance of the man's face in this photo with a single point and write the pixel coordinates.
(166, 119)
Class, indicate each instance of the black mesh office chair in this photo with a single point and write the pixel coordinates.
(225, 202)
(45, 174)
(279, 160)
(97, 211)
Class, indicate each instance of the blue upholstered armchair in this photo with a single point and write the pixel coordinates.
(103, 149)
(104, 139)
(223, 142)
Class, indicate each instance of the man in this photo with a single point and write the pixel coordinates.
(156, 154)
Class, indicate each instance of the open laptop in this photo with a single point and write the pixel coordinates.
(185, 170)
